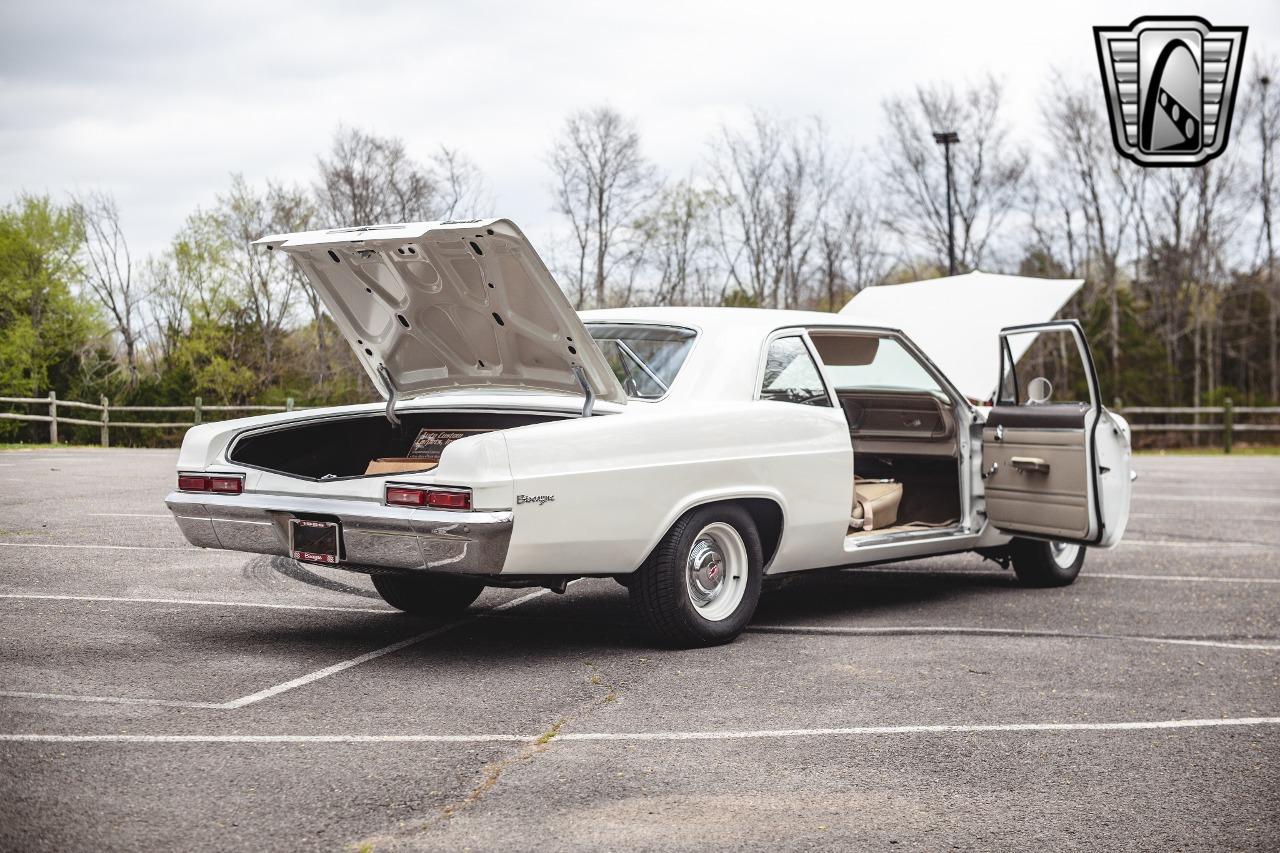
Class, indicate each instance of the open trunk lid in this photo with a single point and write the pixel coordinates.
(957, 319)
(431, 306)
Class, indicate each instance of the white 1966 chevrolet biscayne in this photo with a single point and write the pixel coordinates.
(689, 453)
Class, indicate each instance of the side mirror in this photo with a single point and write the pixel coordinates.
(1039, 390)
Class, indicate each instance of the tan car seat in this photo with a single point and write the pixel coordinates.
(875, 503)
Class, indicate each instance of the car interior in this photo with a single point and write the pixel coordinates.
(903, 429)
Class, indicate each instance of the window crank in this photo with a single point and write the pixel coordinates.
(991, 472)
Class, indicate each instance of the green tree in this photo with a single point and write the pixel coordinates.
(47, 334)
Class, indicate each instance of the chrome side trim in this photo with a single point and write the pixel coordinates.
(374, 536)
(928, 533)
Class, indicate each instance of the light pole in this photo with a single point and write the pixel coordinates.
(946, 139)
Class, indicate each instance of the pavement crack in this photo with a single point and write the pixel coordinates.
(491, 773)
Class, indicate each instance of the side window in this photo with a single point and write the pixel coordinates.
(791, 376)
(867, 363)
(1043, 367)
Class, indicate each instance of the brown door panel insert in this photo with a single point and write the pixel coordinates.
(1039, 483)
(905, 416)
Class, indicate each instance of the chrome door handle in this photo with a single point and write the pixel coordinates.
(1030, 463)
(1000, 432)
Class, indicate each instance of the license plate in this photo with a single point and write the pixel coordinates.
(314, 541)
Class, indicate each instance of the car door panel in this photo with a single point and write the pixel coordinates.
(1037, 480)
(1040, 460)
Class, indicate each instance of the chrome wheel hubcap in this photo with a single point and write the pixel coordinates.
(706, 572)
(716, 571)
(1064, 553)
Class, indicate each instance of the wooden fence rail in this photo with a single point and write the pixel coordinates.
(105, 422)
(1225, 424)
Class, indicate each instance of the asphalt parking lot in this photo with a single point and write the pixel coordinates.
(155, 696)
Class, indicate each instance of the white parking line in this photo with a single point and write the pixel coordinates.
(112, 547)
(1193, 543)
(1168, 516)
(300, 681)
(1207, 498)
(1184, 578)
(940, 729)
(39, 597)
(719, 734)
(277, 689)
(1087, 575)
(109, 700)
(906, 630)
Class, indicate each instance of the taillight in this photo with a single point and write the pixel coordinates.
(220, 483)
(435, 498)
(226, 485)
(406, 497)
(449, 500)
(192, 483)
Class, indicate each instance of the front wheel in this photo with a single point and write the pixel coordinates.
(701, 584)
(1045, 564)
(436, 596)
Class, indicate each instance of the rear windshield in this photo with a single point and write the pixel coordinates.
(645, 359)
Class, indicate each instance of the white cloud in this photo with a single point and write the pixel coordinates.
(157, 103)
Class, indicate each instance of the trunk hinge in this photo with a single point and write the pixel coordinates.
(391, 395)
(590, 402)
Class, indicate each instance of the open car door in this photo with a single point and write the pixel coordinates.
(1056, 463)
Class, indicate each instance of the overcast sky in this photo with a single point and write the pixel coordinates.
(159, 102)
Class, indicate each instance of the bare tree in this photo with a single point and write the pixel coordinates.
(681, 253)
(851, 248)
(1265, 101)
(368, 179)
(267, 282)
(109, 274)
(462, 191)
(1098, 183)
(602, 181)
(775, 181)
(988, 169)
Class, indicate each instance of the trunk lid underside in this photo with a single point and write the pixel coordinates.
(432, 306)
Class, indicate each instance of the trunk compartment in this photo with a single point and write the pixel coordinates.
(337, 448)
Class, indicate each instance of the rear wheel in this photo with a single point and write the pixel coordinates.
(701, 584)
(428, 595)
(1044, 564)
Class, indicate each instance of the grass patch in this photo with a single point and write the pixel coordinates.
(1210, 451)
(550, 733)
(18, 445)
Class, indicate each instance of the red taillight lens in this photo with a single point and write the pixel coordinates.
(226, 485)
(406, 497)
(449, 500)
(437, 498)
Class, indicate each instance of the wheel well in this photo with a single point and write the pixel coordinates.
(768, 518)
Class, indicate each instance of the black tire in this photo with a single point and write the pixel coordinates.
(436, 596)
(1036, 563)
(660, 592)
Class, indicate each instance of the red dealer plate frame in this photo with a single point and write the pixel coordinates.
(315, 541)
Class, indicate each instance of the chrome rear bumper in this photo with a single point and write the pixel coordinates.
(373, 535)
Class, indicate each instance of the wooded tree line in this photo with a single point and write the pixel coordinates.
(1182, 299)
